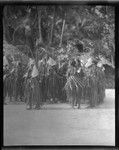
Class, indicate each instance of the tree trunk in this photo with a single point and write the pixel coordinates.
(6, 33)
(63, 25)
(39, 23)
(50, 54)
(40, 40)
(53, 22)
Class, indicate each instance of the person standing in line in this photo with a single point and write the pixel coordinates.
(28, 91)
(35, 84)
(20, 81)
(93, 84)
(15, 82)
(101, 82)
(73, 86)
(10, 87)
(5, 82)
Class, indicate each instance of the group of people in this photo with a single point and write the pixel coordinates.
(72, 82)
(13, 82)
(33, 85)
(85, 83)
(43, 83)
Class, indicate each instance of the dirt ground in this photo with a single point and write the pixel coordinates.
(59, 124)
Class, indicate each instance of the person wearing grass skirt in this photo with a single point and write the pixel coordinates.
(93, 98)
(101, 83)
(73, 85)
(29, 91)
(97, 84)
(37, 94)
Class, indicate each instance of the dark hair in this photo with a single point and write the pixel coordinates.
(79, 62)
(95, 61)
(79, 46)
(73, 63)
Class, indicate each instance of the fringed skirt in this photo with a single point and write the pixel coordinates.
(73, 87)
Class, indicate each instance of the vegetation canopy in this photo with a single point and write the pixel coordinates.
(62, 32)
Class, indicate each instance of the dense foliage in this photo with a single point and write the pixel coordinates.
(56, 26)
(62, 32)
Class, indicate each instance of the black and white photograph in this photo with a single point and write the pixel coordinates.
(58, 74)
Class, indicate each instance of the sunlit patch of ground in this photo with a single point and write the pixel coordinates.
(59, 124)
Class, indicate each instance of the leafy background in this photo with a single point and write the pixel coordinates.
(31, 31)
